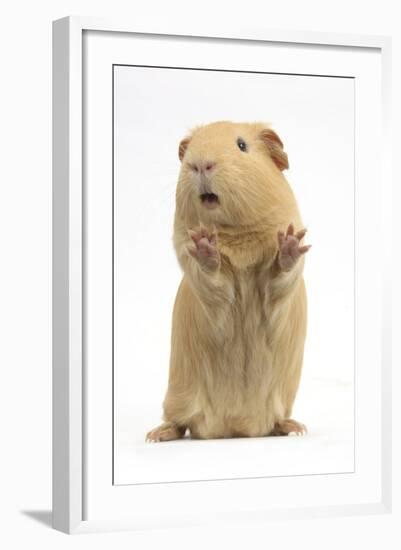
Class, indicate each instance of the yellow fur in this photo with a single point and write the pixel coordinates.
(238, 331)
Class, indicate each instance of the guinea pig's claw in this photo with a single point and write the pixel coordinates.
(192, 234)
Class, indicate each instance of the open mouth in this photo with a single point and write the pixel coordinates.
(209, 199)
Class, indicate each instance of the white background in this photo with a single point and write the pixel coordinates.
(108, 501)
(25, 290)
(315, 118)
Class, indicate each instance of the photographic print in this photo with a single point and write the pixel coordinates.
(233, 274)
(221, 335)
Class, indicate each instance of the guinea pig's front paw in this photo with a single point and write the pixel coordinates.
(204, 249)
(289, 247)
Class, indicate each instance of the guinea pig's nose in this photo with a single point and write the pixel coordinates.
(203, 166)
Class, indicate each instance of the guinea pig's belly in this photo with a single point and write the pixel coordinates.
(218, 427)
(233, 396)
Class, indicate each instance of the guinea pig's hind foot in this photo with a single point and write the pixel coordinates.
(288, 426)
(167, 431)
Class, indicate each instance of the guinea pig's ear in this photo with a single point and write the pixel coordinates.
(275, 148)
(183, 147)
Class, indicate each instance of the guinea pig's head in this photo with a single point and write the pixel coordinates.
(231, 174)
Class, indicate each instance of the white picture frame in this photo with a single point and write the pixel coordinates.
(76, 481)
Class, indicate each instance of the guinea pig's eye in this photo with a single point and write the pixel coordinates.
(242, 145)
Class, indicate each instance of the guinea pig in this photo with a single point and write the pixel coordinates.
(240, 314)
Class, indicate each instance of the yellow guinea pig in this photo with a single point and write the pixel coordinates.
(239, 319)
